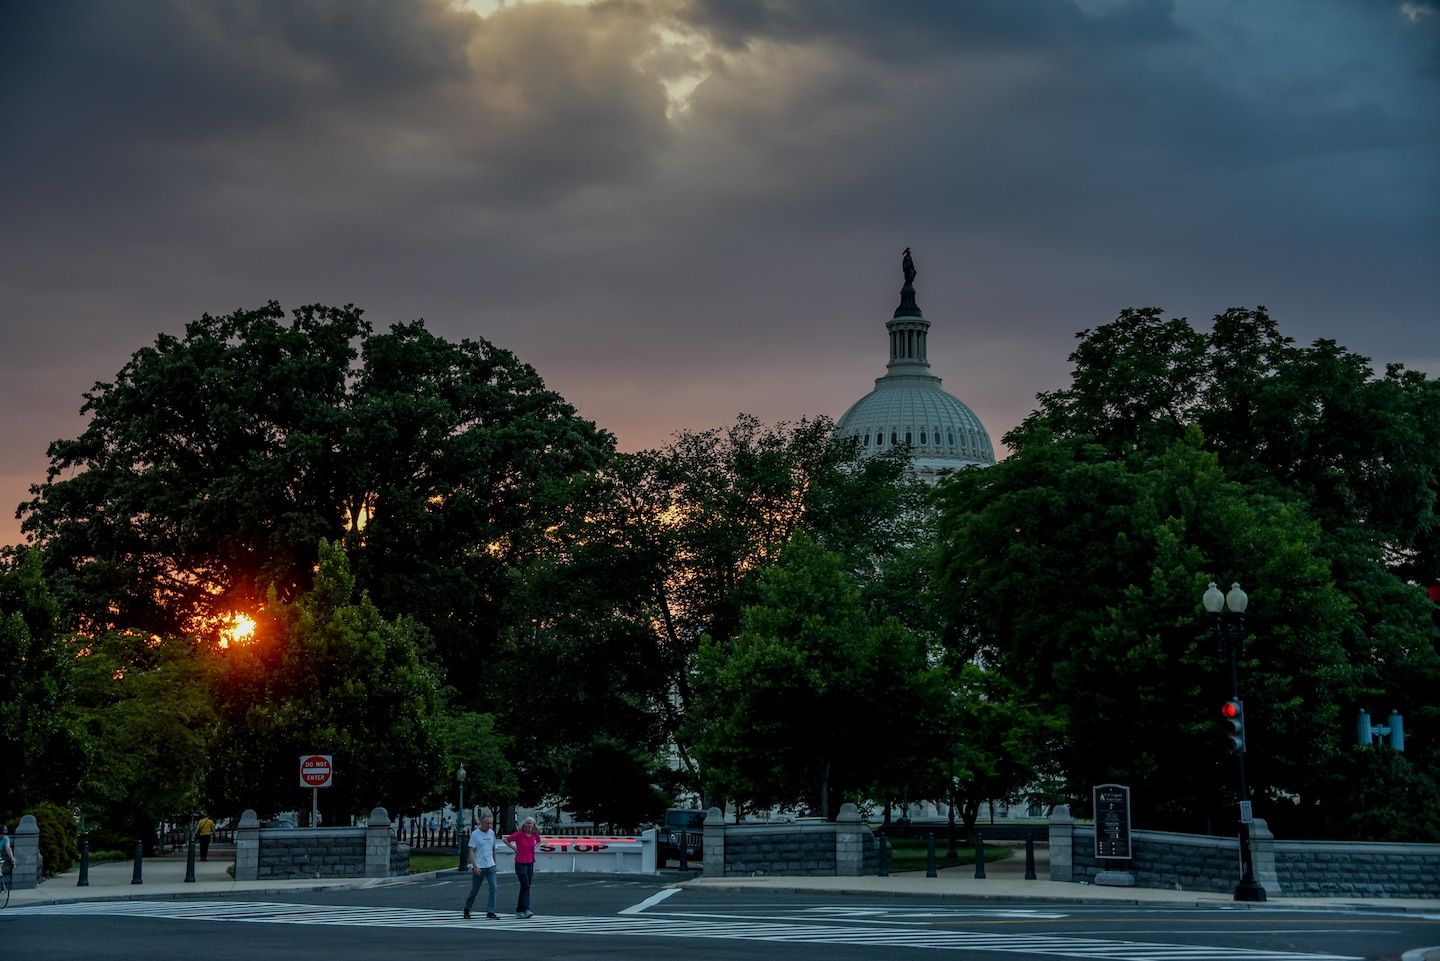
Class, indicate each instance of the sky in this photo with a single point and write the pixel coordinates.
(681, 210)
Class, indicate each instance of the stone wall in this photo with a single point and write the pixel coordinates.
(810, 847)
(1192, 862)
(290, 853)
(1358, 869)
(311, 853)
(1180, 861)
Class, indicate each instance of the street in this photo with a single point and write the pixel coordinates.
(587, 917)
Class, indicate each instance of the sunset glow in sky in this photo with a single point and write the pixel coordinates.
(679, 210)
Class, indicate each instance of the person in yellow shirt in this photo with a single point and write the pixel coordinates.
(203, 830)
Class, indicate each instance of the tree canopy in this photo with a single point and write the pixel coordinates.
(215, 463)
(811, 700)
(1076, 565)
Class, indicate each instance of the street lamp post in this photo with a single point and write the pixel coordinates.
(1230, 643)
(460, 818)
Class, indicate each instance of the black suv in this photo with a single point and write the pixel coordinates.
(685, 827)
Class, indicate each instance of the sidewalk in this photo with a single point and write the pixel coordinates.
(1005, 881)
(164, 877)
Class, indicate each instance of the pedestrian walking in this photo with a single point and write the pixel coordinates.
(482, 866)
(203, 831)
(523, 842)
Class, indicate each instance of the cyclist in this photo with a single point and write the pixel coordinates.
(7, 864)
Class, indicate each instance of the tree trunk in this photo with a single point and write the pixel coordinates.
(825, 789)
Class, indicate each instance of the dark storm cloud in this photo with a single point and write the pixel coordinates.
(521, 175)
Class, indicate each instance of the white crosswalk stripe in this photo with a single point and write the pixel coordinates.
(662, 926)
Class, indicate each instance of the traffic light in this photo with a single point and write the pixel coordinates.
(1233, 713)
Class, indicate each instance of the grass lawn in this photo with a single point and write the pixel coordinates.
(909, 854)
(423, 862)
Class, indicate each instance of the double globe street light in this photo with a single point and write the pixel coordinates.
(1230, 643)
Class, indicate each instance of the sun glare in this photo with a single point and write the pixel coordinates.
(239, 630)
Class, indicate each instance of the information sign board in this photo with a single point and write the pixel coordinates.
(1112, 821)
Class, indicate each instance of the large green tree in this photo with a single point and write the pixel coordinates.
(215, 463)
(144, 713)
(41, 750)
(329, 674)
(1075, 566)
(676, 536)
(811, 698)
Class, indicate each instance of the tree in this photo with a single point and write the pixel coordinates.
(145, 717)
(614, 783)
(1075, 566)
(328, 674)
(41, 751)
(676, 535)
(214, 465)
(809, 699)
(1002, 746)
(471, 740)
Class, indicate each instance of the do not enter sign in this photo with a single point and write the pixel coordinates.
(316, 770)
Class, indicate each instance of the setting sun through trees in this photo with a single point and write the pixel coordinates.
(239, 629)
(224, 455)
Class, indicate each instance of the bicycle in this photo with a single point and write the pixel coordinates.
(6, 869)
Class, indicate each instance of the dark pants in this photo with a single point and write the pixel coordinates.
(484, 874)
(204, 847)
(524, 873)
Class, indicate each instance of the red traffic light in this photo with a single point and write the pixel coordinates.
(1230, 709)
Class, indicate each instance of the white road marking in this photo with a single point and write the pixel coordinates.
(663, 926)
(651, 901)
(1018, 914)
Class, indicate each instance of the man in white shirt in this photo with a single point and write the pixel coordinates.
(482, 865)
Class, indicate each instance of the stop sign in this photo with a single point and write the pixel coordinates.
(316, 770)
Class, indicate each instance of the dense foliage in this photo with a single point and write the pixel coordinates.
(214, 465)
(1076, 566)
(811, 700)
(39, 749)
(445, 565)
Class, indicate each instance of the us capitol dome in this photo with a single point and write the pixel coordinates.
(907, 406)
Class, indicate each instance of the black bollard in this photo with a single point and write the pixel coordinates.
(1030, 856)
(930, 871)
(190, 861)
(684, 850)
(884, 856)
(979, 855)
(84, 881)
(139, 859)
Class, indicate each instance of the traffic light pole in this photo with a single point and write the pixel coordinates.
(1231, 640)
(1248, 889)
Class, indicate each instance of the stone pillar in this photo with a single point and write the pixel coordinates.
(1262, 857)
(1062, 844)
(714, 866)
(247, 847)
(849, 842)
(378, 844)
(26, 842)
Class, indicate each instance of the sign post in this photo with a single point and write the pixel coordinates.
(1111, 804)
(316, 771)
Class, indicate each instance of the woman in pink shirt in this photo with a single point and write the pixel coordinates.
(523, 842)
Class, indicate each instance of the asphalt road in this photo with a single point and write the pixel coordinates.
(588, 918)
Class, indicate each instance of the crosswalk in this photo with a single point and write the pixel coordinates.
(667, 926)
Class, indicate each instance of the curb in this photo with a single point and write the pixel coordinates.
(1216, 902)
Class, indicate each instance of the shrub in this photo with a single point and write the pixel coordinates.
(59, 838)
